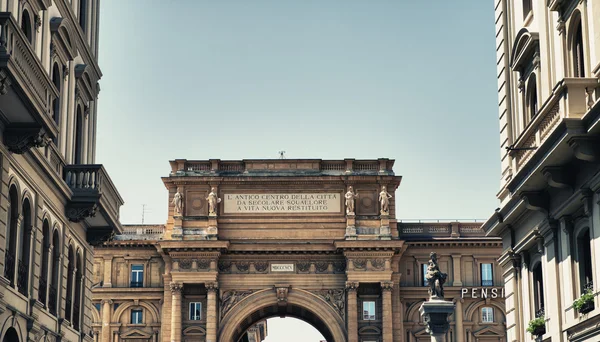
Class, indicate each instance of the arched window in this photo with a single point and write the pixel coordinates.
(26, 26)
(70, 275)
(531, 100)
(11, 240)
(43, 288)
(56, 266)
(11, 335)
(527, 7)
(56, 104)
(578, 52)
(82, 14)
(79, 136)
(538, 289)
(584, 256)
(25, 233)
(77, 298)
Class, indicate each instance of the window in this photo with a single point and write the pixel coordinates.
(82, 13)
(584, 256)
(526, 8)
(487, 315)
(531, 100)
(369, 310)
(538, 290)
(136, 317)
(578, 60)
(11, 242)
(56, 103)
(43, 281)
(26, 26)
(195, 311)
(79, 136)
(98, 306)
(137, 275)
(424, 273)
(487, 278)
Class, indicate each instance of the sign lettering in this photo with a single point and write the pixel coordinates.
(282, 203)
(282, 267)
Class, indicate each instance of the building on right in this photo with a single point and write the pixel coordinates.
(548, 59)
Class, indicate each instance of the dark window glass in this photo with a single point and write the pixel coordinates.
(136, 317)
(487, 277)
(137, 276)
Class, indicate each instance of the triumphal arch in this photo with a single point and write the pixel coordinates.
(299, 238)
(312, 239)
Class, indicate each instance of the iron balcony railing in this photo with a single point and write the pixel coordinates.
(9, 266)
(68, 310)
(22, 277)
(52, 300)
(42, 291)
(487, 283)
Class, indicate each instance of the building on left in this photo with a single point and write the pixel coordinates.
(55, 201)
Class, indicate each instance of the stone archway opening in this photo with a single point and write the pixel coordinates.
(290, 311)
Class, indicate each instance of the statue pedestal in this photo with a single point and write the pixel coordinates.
(350, 226)
(435, 314)
(212, 230)
(384, 229)
(177, 232)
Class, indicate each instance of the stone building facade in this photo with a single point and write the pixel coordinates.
(253, 239)
(548, 55)
(54, 199)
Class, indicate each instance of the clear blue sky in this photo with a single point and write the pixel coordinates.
(410, 80)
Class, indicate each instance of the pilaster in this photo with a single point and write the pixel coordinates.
(386, 289)
(352, 323)
(176, 289)
(211, 312)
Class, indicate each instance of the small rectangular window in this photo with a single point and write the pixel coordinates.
(487, 278)
(137, 276)
(368, 310)
(487, 315)
(424, 272)
(136, 317)
(195, 311)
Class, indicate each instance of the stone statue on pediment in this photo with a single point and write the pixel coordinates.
(213, 200)
(384, 201)
(350, 196)
(435, 278)
(178, 201)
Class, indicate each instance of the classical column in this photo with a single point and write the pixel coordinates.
(459, 330)
(49, 274)
(211, 312)
(386, 289)
(176, 289)
(106, 320)
(352, 322)
(73, 280)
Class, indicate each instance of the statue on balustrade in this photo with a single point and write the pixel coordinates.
(384, 200)
(435, 278)
(213, 200)
(350, 196)
(178, 201)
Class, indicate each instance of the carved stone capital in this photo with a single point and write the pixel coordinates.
(176, 288)
(20, 138)
(351, 286)
(212, 287)
(387, 285)
(109, 301)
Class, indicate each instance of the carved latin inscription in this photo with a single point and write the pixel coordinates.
(282, 203)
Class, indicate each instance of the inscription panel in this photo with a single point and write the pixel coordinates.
(324, 202)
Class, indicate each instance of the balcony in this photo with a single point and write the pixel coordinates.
(141, 232)
(25, 89)
(95, 200)
(562, 115)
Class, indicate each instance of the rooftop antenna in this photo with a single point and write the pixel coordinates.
(144, 211)
(281, 154)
